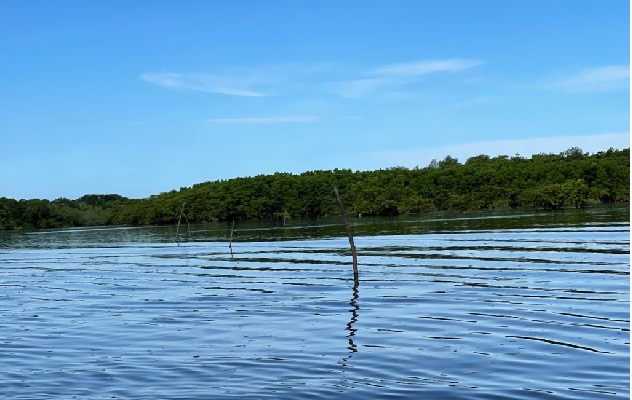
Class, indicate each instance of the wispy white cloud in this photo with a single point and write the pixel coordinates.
(357, 88)
(417, 68)
(267, 120)
(252, 81)
(202, 82)
(272, 80)
(281, 119)
(600, 79)
(394, 76)
(524, 147)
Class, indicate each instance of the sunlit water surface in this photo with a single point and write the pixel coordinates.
(521, 305)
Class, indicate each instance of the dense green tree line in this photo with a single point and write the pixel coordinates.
(89, 210)
(551, 181)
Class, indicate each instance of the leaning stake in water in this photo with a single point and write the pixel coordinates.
(343, 212)
(230, 242)
(178, 227)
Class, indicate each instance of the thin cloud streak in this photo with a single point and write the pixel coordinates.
(267, 120)
(283, 119)
(600, 79)
(200, 82)
(417, 68)
(272, 80)
(251, 81)
(394, 76)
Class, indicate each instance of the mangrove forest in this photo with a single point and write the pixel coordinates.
(550, 181)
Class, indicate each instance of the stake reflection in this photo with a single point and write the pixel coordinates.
(353, 348)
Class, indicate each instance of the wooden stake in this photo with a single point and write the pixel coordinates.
(343, 212)
(180, 220)
(230, 242)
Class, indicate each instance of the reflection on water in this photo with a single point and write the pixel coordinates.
(480, 306)
(353, 348)
(265, 231)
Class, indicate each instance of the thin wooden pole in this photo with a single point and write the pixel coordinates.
(180, 220)
(188, 226)
(343, 212)
(230, 242)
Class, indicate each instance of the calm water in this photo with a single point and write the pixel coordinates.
(525, 305)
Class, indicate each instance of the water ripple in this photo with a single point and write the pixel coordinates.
(472, 314)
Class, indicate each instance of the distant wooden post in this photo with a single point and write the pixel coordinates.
(230, 242)
(343, 212)
(180, 220)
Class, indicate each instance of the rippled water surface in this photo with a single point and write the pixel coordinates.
(521, 305)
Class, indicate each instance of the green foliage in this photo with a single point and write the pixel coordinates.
(554, 196)
(88, 210)
(551, 181)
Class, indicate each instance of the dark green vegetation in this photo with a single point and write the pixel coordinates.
(551, 181)
(87, 210)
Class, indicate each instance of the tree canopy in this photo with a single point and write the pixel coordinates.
(551, 181)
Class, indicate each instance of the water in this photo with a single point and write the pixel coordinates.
(450, 306)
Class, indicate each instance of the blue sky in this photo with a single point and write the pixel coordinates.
(143, 97)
